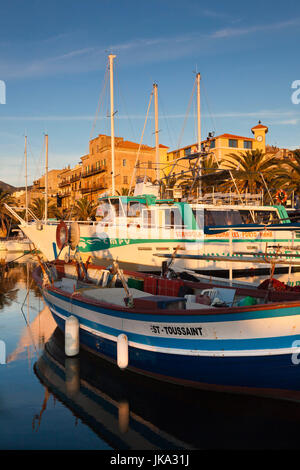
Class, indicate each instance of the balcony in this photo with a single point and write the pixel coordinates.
(93, 188)
(75, 178)
(95, 171)
(63, 184)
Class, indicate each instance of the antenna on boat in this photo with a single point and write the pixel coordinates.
(111, 58)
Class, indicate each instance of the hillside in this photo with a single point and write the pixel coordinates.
(7, 187)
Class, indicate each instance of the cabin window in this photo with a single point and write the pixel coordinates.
(173, 218)
(266, 217)
(224, 217)
(212, 144)
(188, 151)
(148, 218)
(117, 207)
(134, 209)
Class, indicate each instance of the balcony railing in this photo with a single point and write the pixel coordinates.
(75, 178)
(93, 188)
(63, 183)
(94, 171)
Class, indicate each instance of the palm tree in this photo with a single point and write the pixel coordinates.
(85, 209)
(250, 169)
(123, 192)
(5, 198)
(38, 208)
(205, 174)
(288, 175)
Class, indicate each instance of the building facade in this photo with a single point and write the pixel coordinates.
(222, 145)
(93, 176)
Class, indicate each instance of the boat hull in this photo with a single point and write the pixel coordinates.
(259, 356)
(137, 252)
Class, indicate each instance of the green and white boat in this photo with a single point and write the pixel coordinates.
(136, 231)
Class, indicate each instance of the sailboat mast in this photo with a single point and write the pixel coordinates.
(26, 191)
(111, 58)
(46, 179)
(198, 112)
(199, 129)
(156, 131)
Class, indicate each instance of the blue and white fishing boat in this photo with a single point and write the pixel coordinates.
(189, 333)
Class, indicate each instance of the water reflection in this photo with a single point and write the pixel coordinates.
(8, 280)
(34, 334)
(133, 412)
(16, 277)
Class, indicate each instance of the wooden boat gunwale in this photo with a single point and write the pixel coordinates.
(77, 296)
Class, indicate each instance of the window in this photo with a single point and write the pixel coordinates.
(224, 217)
(232, 143)
(212, 144)
(188, 151)
(125, 179)
(247, 144)
(266, 217)
(173, 218)
(149, 218)
(134, 208)
(124, 162)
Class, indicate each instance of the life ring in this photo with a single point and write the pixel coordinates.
(281, 196)
(62, 235)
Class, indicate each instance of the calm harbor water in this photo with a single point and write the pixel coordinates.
(48, 401)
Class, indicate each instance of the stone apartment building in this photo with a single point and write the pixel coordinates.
(93, 176)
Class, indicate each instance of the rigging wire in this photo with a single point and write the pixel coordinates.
(138, 152)
(161, 106)
(126, 109)
(100, 101)
(186, 115)
(208, 107)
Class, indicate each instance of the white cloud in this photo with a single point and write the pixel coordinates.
(142, 50)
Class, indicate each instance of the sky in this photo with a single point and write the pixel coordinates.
(53, 63)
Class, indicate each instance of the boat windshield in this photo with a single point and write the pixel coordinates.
(216, 217)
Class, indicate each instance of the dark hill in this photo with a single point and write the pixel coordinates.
(7, 187)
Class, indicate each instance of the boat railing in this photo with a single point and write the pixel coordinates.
(13, 211)
(231, 198)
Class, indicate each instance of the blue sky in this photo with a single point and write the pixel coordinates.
(53, 57)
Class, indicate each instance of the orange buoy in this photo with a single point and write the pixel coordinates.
(62, 235)
(281, 196)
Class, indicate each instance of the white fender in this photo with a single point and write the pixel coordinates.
(122, 351)
(72, 336)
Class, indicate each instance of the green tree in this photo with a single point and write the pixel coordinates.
(288, 175)
(123, 192)
(84, 209)
(5, 216)
(249, 168)
(38, 208)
